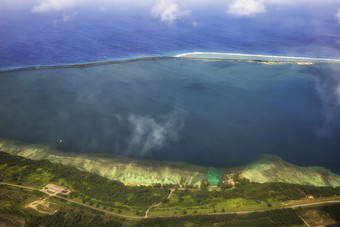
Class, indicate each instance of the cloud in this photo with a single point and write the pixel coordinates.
(246, 7)
(168, 11)
(65, 18)
(194, 23)
(338, 16)
(328, 87)
(149, 134)
(55, 5)
(337, 93)
(251, 7)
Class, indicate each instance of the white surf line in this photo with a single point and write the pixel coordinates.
(253, 55)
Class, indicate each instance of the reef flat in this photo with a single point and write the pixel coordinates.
(267, 59)
(202, 56)
(271, 168)
(126, 170)
(268, 168)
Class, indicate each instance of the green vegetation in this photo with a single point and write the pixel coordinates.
(271, 168)
(333, 211)
(320, 215)
(87, 187)
(73, 217)
(12, 202)
(13, 211)
(245, 196)
(188, 206)
(283, 217)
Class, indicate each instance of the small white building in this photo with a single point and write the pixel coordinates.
(56, 189)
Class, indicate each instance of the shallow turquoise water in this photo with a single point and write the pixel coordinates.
(214, 113)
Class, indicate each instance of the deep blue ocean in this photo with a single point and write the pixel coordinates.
(85, 34)
(212, 113)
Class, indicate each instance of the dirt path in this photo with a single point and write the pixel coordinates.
(302, 219)
(171, 191)
(158, 204)
(315, 203)
(232, 182)
(335, 200)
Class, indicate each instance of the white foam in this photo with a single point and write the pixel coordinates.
(252, 57)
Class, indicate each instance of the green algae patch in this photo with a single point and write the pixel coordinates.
(214, 176)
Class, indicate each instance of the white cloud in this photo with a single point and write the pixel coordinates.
(194, 23)
(55, 5)
(328, 88)
(246, 7)
(65, 18)
(337, 93)
(168, 11)
(149, 134)
(338, 16)
(251, 7)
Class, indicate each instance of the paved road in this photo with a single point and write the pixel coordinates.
(335, 200)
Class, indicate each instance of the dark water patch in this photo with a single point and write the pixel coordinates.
(222, 64)
(195, 86)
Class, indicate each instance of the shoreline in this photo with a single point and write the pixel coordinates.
(130, 171)
(81, 65)
(213, 56)
(259, 57)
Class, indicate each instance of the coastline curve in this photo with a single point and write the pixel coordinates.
(267, 59)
